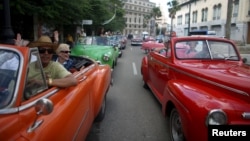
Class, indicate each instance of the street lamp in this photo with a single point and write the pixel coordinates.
(8, 35)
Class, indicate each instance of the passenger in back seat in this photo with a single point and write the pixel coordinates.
(191, 51)
(63, 52)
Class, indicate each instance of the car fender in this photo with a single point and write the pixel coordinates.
(101, 86)
(188, 98)
(144, 68)
(191, 96)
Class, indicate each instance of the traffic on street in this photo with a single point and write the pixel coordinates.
(133, 113)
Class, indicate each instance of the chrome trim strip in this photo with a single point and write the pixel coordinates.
(205, 80)
(246, 115)
(28, 105)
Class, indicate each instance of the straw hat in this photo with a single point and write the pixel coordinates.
(43, 41)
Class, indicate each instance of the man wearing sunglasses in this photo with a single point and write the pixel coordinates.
(57, 74)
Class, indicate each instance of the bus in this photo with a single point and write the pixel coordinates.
(202, 32)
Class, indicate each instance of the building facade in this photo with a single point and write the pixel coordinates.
(136, 10)
(212, 15)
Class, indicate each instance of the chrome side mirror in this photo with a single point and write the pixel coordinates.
(244, 60)
(43, 107)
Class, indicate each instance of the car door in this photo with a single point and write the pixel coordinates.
(159, 72)
(71, 112)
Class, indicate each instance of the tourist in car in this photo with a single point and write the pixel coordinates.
(191, 51)
(57, 75)
(63, 52)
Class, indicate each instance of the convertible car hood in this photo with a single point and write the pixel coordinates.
(93, 51)
(152, 44)
(232, 76)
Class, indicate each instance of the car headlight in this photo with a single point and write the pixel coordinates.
(106, 57)
(216, 117)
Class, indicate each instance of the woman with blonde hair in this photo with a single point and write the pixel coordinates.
(63, 52)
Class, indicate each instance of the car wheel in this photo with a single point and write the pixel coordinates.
(176, 133)
(145, 85)
(102, 111)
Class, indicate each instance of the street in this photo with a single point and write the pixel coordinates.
(132, 112)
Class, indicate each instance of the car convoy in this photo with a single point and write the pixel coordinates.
(209, 86)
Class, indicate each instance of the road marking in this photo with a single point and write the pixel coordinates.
(134, 68)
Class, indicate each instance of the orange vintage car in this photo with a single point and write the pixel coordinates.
(42, 113)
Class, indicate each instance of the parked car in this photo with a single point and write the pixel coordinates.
(40, 112)
(198, 90)
(98, 48)
(151, 45)
(136, 40)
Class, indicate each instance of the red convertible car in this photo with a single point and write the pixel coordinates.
(200, 82)
(151, 45)
(43, 113)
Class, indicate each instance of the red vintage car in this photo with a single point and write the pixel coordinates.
(151, 45)
(43, 113)
(199, 84)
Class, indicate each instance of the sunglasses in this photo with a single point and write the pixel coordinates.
(65, 51)
(43, 50)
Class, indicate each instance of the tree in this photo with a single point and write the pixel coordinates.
(146, 19)
(62, 14)
(174, 7)
(155, 13)
(228, 21)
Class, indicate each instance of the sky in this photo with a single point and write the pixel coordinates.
(164, 7)
(162, 2)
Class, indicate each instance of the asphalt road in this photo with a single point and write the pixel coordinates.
(133, 113)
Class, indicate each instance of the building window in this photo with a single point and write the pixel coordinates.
(217, 12)
(235, 8)
(204, 14)
(249, 9)
(194, 18)
(214, 12)
(186, 18)
(179, 20)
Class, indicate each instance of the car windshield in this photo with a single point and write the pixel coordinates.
(99, 40)
(205, 49)
(9, 66)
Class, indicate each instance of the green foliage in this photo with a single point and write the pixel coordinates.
(174, 7)
(61, 13)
